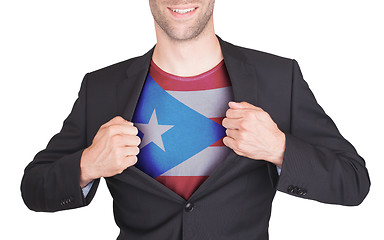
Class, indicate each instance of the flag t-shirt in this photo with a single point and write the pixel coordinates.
(180, 125)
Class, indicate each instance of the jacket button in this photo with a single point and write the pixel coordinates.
(291, 189)
(302, 192)
(189, 207)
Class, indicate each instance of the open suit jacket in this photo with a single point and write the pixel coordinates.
(235, 201)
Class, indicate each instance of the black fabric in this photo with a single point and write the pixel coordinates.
(235, 201)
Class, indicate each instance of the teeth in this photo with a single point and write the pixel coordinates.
(182, 11)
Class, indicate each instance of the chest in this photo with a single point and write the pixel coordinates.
(180, 128)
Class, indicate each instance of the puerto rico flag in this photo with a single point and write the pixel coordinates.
(179, 122)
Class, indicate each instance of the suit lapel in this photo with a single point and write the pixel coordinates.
(242, 75)
(243, 78)
(128, 92)
(129, 88)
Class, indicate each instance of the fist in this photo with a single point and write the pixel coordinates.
(114, 148)
(252, 133)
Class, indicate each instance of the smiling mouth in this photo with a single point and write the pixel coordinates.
(183, 11)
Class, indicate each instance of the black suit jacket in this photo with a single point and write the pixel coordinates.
(235, 201)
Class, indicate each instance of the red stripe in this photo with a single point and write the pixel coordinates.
(218, 120)
(219, 143)
(185, 186)
(217, 77)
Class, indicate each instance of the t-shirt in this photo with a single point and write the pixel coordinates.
(180, 125)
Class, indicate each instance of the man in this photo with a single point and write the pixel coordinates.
(191, 138)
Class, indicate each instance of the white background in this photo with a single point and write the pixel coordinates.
(47, 47)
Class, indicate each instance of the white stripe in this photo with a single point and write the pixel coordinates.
(201, 164)
(210, 103)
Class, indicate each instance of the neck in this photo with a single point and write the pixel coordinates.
(188, 57)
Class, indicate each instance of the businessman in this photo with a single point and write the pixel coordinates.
(194, 138)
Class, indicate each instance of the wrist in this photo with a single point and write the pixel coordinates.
(278, 157)
(85, 171)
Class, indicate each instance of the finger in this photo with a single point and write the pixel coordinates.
(117, 120)
(121, 129)
(129, 140)
(233, 133)
(126, 161)
(235, 113)
(231, 123)
(130, 151)
(242, 105)
(131, 160)
(123, 152)
(231, 143)
(125, 140)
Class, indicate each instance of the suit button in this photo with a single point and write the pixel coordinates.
(189, 207)
(291, 189)
(302, 192)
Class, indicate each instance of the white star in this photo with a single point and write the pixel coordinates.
(152, 131)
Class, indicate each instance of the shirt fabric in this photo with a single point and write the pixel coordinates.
(179, 121)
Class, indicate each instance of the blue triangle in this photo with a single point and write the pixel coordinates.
(192, 131)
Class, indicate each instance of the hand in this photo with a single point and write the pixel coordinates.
(114, 148)
(252, 133)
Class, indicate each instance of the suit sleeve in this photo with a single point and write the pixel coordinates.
(319, 163)
(51, 182)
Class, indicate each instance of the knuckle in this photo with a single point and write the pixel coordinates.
(129, 123)
(131, 160)
(243, 124)
(243, 135)
(120, 164)
(250, 114)
(103, 126)
(118, 119)
(236, 145)
(113, 129)
(263, 115)
(115, 139)
(266, 115)
(116, 154)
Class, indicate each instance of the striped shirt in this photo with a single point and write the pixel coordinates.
(179, 121)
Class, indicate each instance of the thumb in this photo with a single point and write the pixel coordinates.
(239, 105)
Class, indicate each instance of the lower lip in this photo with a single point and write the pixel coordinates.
(182, 15)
